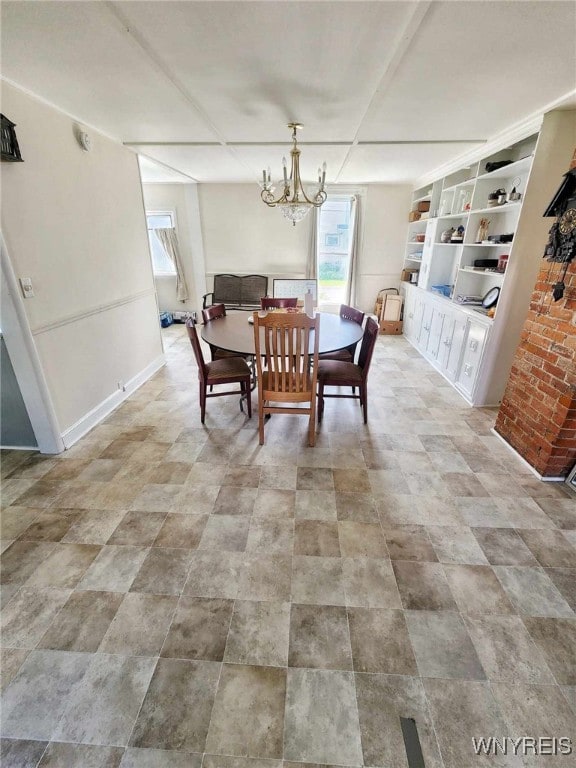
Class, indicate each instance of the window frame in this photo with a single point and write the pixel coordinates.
(172, 215)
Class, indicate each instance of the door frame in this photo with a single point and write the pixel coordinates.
(26, 361)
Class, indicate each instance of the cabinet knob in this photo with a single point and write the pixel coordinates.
(426, 327)
(473, 345)
(411, 315)
(447, 342)
(468, 369)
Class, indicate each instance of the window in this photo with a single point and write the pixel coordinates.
(161, 262)
(334, 241)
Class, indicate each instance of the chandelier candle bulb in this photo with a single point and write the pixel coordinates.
(284, 164)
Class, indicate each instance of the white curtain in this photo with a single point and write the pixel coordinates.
(169, 242)
(312, 260)
(355, 222)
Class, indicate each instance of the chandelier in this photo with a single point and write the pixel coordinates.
(293, 202)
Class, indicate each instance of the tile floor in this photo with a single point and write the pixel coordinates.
(180, 596)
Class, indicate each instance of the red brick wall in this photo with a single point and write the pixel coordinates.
(538, 412)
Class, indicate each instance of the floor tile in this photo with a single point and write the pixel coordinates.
(382, 701)
(565, 582)
(506, 651)
(462, 710)
(380, 642)
(163, 572)
(274, 503)
(114, 569)
(319, 637)
(95, 526)
(11, 659)
(503, 546)
(138, 529)
(195, 499)
(183, 531)
(34, 701)
(199, 629)
(21, 559)
(65, 566)
(359, 539)
(17, 753)
(423, 586)
(51, 525)
(532, 592)
(177, 707)
(351, 481)
(82, 622)
(265, 577)
(321, 721)
(562, 512)
(155, 497)
(456, 544)
(550, 548)
(524, 513)
(279, 478)
(272, 536)
(316, 538)
(248, 714)
(314, 479)
(242, 477)
(359, 507)
(235, 501)
(479, 512)
(160, 758)
(103, 707)
(318, 580)
(442, 645)
(29, 614)
(259, 634)
(370, 583)
(538, 709)
(409, 542)
(556, 638)
(227, 533)
(477, 590)
(15, 520)
(212, 575)
(59, 755)
(140, 625)
(315, 505)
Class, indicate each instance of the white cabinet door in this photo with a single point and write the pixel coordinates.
(453, 338)
(418, 315)
(409, 309)
(473, 348)
(427, 312)
(435, 336)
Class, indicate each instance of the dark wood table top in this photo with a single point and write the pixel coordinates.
(235, 333)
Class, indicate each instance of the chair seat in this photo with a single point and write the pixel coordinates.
(224, 354)
(268, 389)
(348, 374)
(227, 367)
(344, 355)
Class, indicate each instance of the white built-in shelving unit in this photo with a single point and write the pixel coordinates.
(471, 349)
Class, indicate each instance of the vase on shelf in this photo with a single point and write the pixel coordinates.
(482, 233)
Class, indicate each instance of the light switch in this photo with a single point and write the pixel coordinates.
(26, 285)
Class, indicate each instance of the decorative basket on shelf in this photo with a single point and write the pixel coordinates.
(10, 151)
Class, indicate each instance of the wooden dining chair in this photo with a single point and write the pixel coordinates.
(286, 370)
(216, 312)
(338, 373)
(230, 370)
(267, 302)
(347, 354)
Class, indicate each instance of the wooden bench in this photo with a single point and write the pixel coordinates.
(237, 291)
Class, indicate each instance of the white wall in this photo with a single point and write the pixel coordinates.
(178, 198)
(242, 235)
(73, 222)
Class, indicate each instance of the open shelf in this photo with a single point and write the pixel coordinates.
(512, 169)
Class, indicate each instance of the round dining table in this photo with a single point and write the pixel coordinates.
(235, 333)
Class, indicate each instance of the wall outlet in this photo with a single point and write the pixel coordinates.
(122, 386)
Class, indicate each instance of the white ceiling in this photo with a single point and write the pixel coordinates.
(387, 91)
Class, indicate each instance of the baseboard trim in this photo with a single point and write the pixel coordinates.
(95, 416)
(527, 464)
